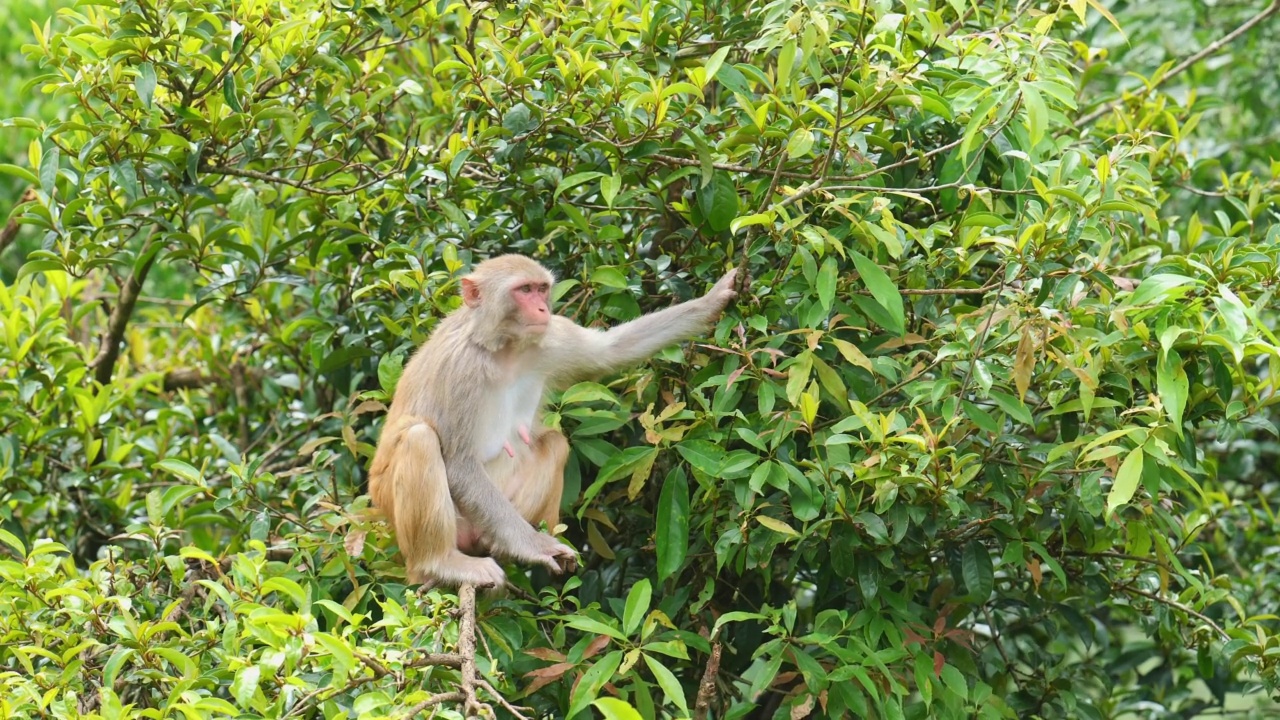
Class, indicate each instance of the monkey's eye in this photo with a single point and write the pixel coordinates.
(526, 288)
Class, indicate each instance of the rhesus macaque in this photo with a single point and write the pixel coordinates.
(463, 465)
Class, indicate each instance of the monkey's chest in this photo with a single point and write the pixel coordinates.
(513, 408)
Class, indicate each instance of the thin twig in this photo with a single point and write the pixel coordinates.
(431, 702)
(1179, 606)
(1181, 67)
(266, 177)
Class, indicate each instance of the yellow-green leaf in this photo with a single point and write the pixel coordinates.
(1126, 482)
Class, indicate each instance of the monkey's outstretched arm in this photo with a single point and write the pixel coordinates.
(572, 352)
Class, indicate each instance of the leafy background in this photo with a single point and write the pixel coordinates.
(992, 433)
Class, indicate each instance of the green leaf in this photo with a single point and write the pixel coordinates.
(123, 174)
(111, 670)
(575, 180)
(800, 144)
(519, 120)
(12, 541)
(786, 60)
(344, 657)
(734, 616)
(289, 589)
(594, 626)
(231, 93)
(1037, 113)
(609, 186)
(798, 375)
(410, 86)
(763, 218)
(615, 709)
(1126, 480)
(979, 575)
(1233, 313)
(145, 83)
(980, 417)
(883, 290)
(245, 685)
(19, 172)
(1173, 386)
(390, 368)
(827, 284)
(1159, 288)
(716, 60)
(49, 169)
(703, 456)
(637, 606)
(609, 276)
(777, 526)
(681, 88)
(718, 202)
(179, 468)
(673, 524)
(587, 392)
(668, 682)
(592, 680)
(1014, 407)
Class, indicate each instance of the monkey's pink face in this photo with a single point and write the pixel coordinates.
(532, 301)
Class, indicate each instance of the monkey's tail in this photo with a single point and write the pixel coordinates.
(409, 484)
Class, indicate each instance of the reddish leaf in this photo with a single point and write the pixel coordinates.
(545, 676)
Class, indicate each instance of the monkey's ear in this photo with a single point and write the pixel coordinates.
(470, 292)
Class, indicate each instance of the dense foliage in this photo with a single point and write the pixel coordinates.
(990, 435)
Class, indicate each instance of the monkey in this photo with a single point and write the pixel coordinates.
(463, 465)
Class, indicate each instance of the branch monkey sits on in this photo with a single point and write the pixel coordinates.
(463, 464)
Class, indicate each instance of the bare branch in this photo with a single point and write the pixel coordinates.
(431, 702)
(1181, 67)
(1179, 606)
(109, 347)
(9, 232)
(265, 177)
(707, 687)
(467, 649)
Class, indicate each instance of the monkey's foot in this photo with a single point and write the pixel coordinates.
(459, 568)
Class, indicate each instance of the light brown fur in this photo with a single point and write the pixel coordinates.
(452, 472)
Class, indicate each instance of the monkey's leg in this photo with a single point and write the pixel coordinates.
(424, 515)
(538, 483)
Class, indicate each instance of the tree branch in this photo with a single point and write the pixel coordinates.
(707, 686)
(9, 232)
(109, 347)
(1179, 606)
(467, 649)
(265, 177)
(1181, 67)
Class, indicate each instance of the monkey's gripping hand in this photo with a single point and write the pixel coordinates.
(549, 553)
(722, 293)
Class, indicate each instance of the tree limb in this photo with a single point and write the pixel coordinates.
(1179, 606)
(467, 649)
(1181, 67)
(109, 347)
(707, 686)
(9, 232)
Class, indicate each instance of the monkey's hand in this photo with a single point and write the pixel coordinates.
(723, 292)
(550, 553)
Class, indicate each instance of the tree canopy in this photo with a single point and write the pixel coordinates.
(991, 432)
